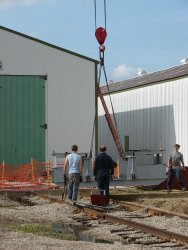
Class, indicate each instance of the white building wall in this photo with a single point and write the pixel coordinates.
(70, 88)
(154, 117)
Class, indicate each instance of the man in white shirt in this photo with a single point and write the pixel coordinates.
(73, 162)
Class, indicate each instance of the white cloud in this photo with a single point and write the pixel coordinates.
(5, 4)
(123, 72)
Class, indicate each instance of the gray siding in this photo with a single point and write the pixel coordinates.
(153, 116)
(70, 88)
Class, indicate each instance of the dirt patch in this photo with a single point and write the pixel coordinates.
(175, 201)
(177, 205)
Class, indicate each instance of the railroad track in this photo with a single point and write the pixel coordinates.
(133, 231)
(149, 210)
(153, 233)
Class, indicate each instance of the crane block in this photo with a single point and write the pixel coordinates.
(100, 35)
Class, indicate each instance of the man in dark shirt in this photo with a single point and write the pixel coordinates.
(103, 169)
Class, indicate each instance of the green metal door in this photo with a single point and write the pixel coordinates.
(22, 116)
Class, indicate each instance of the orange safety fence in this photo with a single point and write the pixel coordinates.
(33, 175)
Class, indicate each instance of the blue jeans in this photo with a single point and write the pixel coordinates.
(73, 185)
(177, 173)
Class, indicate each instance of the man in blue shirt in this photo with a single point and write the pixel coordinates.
(73, 162)
(103, 169)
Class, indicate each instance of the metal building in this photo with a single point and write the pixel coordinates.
(151, 113)
(47, 99)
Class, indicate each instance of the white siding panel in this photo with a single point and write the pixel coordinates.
(70, 89)
(155, 117)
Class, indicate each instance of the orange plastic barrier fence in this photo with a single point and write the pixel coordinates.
(33, 175)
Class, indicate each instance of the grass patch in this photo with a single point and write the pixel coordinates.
(39, 230)
(8, 205)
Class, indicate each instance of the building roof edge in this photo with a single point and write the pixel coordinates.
(48, 44)
(150, 78)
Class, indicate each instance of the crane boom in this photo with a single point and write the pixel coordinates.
(111, 125)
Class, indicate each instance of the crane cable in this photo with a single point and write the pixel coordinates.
(93, 130)
(114, 116)
(95, 6)
(101, 36)
(108, 89)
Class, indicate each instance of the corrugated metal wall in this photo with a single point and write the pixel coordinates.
(154, 117)
(70, 89)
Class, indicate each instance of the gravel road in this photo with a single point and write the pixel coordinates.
(45, 212)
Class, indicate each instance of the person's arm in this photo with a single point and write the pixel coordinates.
(182, 162)
(95, 169)
(112, 167)
(110, 164)
(66, 166)
(80, 166)
(170, 162)
(114, 164)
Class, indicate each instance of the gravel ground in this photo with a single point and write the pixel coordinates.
(46, 212)
(11, 212)
(19, 241)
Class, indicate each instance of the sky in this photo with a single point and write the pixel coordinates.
(149, 35)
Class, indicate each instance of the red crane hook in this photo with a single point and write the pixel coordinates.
(100, 35)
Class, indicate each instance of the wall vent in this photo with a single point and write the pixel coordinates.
(142, 73)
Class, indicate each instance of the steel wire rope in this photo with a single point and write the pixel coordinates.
(93, 130)
(92, 137)
(114, 116)
(95, 7)
(107, 135)
(105, 13)
(108, 128)
(102, 66)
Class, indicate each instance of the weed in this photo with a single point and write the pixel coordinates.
(39, 230)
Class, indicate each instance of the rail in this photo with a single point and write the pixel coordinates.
(102, 213)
